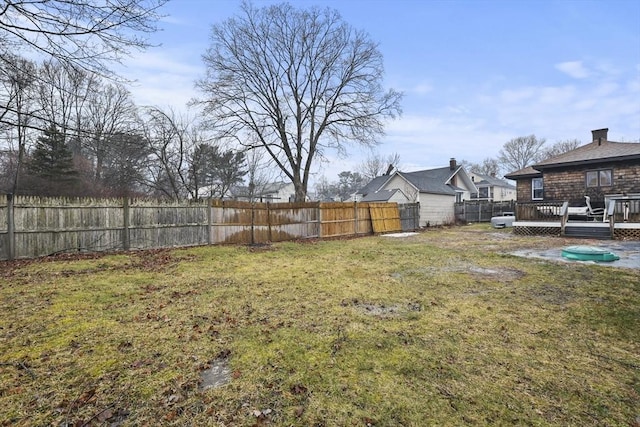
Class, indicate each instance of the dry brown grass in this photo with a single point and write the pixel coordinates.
(444, 328)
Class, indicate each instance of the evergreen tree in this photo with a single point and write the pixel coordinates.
(52, 159)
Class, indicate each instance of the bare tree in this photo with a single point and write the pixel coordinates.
(17, 107)
(560, 147)
(377, 165)
(300, 81)
(84, 34)
(109, 111)
(123, 169)
(260, 173)
(520, 152)
(64, 93)
(169, 143)
(488, 166)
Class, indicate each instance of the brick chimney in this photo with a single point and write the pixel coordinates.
(452, 164)
(600, 135)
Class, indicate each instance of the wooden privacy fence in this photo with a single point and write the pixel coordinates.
(38, 226)
(482, 210)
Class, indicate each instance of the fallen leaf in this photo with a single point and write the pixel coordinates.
(105, 415)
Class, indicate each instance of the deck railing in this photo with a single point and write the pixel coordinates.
(623, 208)
(539, 211)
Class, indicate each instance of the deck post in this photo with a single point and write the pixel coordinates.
(564, 217)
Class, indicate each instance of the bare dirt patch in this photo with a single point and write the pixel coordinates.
(383, 310)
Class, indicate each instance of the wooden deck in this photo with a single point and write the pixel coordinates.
(593, 229)
(621, 219)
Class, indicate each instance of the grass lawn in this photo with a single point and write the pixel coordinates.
(444, 328)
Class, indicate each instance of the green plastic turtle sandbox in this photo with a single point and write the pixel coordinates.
(589, 253)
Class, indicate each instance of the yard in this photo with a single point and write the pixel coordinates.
(442, 328)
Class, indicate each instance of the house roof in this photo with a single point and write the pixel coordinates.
(432, 180)
(492, 181)
(594, 152)
(528, 172)
(263, 190)
(374, 185)
(380, 196)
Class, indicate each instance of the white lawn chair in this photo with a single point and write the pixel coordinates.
(593, 213)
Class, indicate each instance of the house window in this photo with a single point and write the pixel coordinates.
(599, 178)
(483, 192)
(537, 189)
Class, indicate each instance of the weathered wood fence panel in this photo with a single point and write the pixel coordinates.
(291, 221)
(5, 250)
(409, 216)
(49, 225)
(232, 222)
(37, 226)
(162, 224)
(482, 210)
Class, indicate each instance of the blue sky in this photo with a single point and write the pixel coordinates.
(475, 73)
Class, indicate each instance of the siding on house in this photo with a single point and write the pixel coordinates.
(564, 175)
(524, 190)
(436, 209)
(570, 184)
(409, 190)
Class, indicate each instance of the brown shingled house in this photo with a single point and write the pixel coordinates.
(597, 169)
(551, 194)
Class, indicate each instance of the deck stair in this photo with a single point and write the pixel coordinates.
(588, 230)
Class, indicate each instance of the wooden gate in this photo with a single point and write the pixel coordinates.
(385, 217)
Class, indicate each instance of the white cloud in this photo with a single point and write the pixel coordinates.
(573, 69)
(510, 96)
(163, 78)
(422, 88)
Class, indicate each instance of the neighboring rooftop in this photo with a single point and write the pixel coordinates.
(601, 149)
(598, 151)
(492, 180)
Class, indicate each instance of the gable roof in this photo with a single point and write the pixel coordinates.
(492, 181)
(382, 195)
(594, 152)
(434, 181)
(374, 185)
(528, 172)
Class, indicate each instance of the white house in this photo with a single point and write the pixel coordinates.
(273, 192)
(492, 188)
(437, 190)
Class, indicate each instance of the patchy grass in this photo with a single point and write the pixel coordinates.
(443, 328)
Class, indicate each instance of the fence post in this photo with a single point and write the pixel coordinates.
(126, 242)
(209, 225)
(268, 223)
(253, 221)
(11, 237)
(355, 218)
(319, 220)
